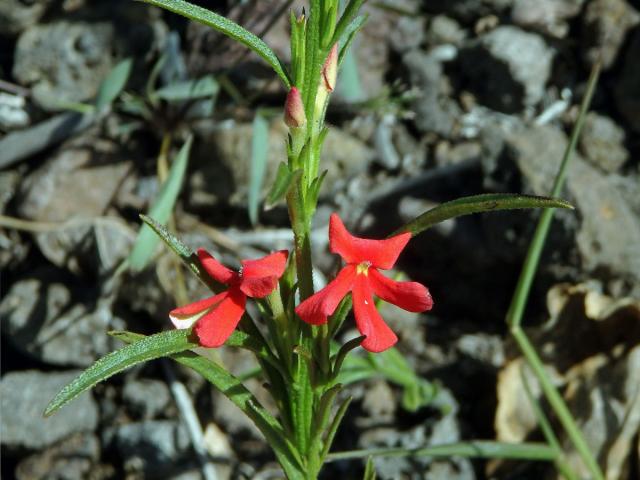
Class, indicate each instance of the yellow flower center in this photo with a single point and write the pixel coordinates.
(363, 268)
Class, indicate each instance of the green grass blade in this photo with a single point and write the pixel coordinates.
(258, 165)
(227, 27)
(349, 84)
(523, 287)
(113, 84)
(489, 202)
(189, 89)
(473, 449)
(547, 429)
(148, 348)
(146, 242)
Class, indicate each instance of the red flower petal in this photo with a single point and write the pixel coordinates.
(318, 307)
(368, 320)
(215, 269)
(184, 317)
(380, 253)
(260, 277)
(214, 328)
(411, 296)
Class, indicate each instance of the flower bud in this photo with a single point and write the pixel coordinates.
(294, 115)
(330, 69)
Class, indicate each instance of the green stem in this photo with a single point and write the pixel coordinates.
(474, 449)
(556, 402)
(521, 294)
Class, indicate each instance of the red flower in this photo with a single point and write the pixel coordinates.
(217, 317)
(361, 277)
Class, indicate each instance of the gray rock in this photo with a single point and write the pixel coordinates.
(13, 246)
(407, 34)
(146, 397)
(74, 458)
(13, 112)
(56, 321)
(24, 396)
(63, 61)
(605, 26)
(609, 235)
(547, 16)
(445, 30)
(441, 430)
(627, 88)
(468, 10)
(379, 402)
(608, 231)
(508, 68)
(16, 15)
(433, 111)
(152, 447)
(602, 143)
(75, 186)
(483, 347)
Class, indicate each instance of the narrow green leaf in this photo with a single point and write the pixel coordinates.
(350, 35)
(333, 428)
(490, 202)
(227, 27)
(233, 389)
(189, 89)
(258, 165)
(113, 84)
(321, 416)
(344, 351)
(314, 189)
(146, 242)
(349, 84)
(350, 12)
(148, 348)
(473, 449)
(280, 186)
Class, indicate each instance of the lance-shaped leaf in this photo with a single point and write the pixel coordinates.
(233, 389)
(490, 202)
(227, 27)
(148, 348)
(147, 241)
(258, 164)
(350, 12)
(113, 84)
(189, 89)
